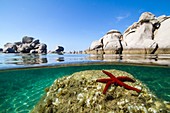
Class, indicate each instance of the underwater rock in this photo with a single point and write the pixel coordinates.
(80, 92)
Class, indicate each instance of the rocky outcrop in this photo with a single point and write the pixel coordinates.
(28, 45)
(162, 35)
(148, 36)
(96, 45)
(59, 50)
(80, 93)
(27, 39)
(110, 41)
(10, 48)
(1, 49)
(141, 34)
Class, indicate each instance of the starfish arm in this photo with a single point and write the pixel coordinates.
(107, 87)
(104, 80)
(109, 74)
(125, 78)
(127, 86)
(117, 81)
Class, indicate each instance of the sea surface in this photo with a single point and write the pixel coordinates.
(24, 77)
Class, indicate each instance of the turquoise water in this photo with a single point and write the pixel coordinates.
(21, 89)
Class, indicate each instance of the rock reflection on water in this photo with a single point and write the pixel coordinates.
(24, 59)
(29, 59)
(51, 59)
(162, 59)
(60, 59)
(33, 59)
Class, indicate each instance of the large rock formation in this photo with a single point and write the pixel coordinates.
(141, 34)
(110, 42)
(80, 93)
(28, 45)
(148, 36)
(162, 35)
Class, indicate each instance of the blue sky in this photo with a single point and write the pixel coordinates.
(73, 24)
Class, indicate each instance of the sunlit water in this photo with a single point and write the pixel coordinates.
(21, 89)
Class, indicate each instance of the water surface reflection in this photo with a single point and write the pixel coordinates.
(26, 59)
(29, 60)
(162, 59)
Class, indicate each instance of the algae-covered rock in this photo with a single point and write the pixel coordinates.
(80, 93)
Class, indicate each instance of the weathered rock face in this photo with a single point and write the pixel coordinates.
(141, 34)
(162, 35)
(59, 50)
(146, 16)
(1, 50)
(139, 38)
(9, 48)
(27, 39)
(110, 41)
(96, 45)
(28, 45)
(148, 36)
(80, 93)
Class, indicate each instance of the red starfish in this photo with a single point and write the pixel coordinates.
(118, 81)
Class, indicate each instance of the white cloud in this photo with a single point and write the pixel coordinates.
(119, 18)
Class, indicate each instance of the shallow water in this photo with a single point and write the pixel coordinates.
(21, 89)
